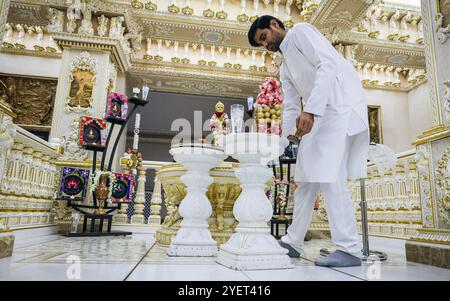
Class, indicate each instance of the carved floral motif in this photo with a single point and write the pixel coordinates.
(443, 187)
(423, 168)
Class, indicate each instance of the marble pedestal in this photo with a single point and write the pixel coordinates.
(252, 247)
(194, 238)
(6, 244)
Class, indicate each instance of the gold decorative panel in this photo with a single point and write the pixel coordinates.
(375, 124)
(81, 85)
(31, 99)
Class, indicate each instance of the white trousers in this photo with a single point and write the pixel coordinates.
(340, 211)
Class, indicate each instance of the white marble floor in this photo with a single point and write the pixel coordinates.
(137, 257)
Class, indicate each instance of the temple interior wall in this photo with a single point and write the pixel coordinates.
(29, 65)
(419, 109)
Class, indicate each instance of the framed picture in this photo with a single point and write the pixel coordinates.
(375, 130)
(74, 183)
(116, 108)
(93, 133)
(122, 188)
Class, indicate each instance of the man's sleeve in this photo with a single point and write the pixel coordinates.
(317, 50)
(291, 108)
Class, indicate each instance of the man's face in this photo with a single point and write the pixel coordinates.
(270, 38)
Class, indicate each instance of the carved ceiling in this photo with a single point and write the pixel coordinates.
(344, 14)
(174, 35)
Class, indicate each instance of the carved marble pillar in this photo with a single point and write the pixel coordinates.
(432, 147)
(155, 204)
(139, 200)
(88, 73)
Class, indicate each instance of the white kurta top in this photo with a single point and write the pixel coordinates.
(331, 90)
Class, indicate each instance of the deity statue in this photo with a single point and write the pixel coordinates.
(366, 76)
(72, 16)
(86, 23)
(20, 38)
(404, 27)
(219, 123)
(39, 38)
(374, 17)
(102, 25)
(116, 30)
(404, 23)
(389, 73)
(56, 18)
(397, 81)
(393, 28)
(8, 39)
(364, 25)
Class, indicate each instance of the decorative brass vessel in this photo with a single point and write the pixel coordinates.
(102, 193)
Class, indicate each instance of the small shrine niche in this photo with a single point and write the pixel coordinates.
(117, 108)
(92, 133)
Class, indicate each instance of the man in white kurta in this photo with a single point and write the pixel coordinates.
(333, 127)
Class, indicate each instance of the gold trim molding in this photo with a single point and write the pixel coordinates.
(435, 133)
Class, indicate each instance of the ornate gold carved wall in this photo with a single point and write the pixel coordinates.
(31, 99)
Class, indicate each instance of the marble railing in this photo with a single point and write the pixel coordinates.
(393, 201)
(136, 216)
(27, 178)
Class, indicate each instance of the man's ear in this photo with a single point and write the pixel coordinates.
(274, 23)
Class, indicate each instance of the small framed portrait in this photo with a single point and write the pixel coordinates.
(116, 108)
(122, 188)
(375, 130)
(74, 183)
(93, 133)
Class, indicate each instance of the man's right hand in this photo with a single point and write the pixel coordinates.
(293, 139)
(305, 123)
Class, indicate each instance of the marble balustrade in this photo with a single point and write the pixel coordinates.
(136, 216)
(28, 181)
(393, 200)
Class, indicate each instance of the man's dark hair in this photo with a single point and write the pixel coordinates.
(262, 22)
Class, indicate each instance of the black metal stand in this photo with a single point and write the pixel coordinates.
(107, 216)
(275, 222)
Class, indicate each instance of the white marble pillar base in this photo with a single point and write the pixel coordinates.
(252, 247)
(205, 247)
(257, 251)
(194, 238)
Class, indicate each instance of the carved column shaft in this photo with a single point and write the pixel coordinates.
(436, 54)
(139, 200)
(155, 204)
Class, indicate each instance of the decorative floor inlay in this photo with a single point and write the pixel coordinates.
(88, 249)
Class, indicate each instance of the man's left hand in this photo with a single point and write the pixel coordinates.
(304, 124)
